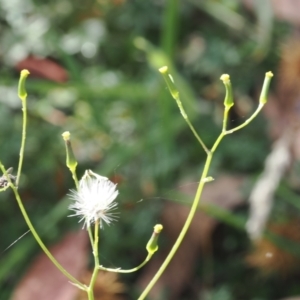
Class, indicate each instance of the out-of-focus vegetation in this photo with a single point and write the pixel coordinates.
(99, 80)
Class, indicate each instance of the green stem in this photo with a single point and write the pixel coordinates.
(129, 270)
(175, 94)
(74, 176)
(225, 118)
(90, 290)
(184, 229)
(23, 96)
(259, 108)
(196, 135)
(197, 197)
(22, 148)
(186, 118)
(91, 236)
(38, 239)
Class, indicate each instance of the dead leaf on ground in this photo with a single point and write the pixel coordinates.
(107, 287)
(44, 281)
(287, 10)
(43, 68)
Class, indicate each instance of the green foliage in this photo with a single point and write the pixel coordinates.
(123, 122)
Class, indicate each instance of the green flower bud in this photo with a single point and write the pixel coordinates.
(71, 160)
(21, 88)
(228, 101)
(265, 89)
(152, 246)
(170, 82)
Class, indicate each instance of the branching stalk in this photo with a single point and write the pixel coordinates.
(228, 103)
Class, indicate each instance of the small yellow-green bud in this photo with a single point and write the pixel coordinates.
(225, 77)
(163, 69)
(66, 135)
(228, 101)
(265, 89)
(152, 246)
(71, 160)
(170, 82)
(158, 228)
(21, 88)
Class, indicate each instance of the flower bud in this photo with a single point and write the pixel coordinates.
(21, 88)
(170, 82)
(71, 160)
(228, 101)
(265, 89)
(152, 246)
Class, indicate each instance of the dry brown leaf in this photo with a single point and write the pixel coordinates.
(44, 281)
(276, 120)
(286, 10)
(43, 68)
(224, 192)
(282, 112)
(107, 287)
(270, 258)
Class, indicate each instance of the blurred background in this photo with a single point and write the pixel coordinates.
(94, 72)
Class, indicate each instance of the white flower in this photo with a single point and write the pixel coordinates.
(94, 199)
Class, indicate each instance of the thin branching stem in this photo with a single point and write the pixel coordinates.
(23, 141)
(259, 108)
(129, 270)
(204, 175)
(37, 237)
(90, 291)
(183, 231)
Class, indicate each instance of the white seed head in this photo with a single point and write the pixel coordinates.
(94, 200)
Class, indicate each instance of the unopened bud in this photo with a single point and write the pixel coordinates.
(71, 160)
(170, 82)
(152, 246)
(21, 88)
(265, 89)
(228, 101)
